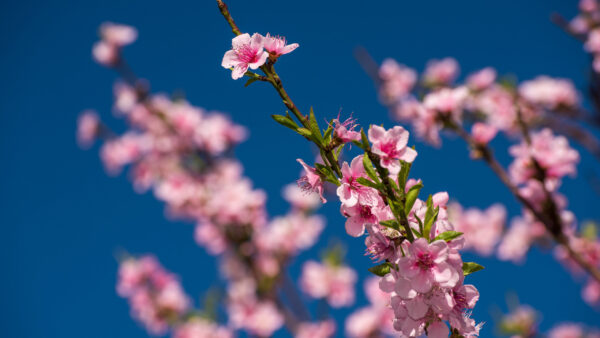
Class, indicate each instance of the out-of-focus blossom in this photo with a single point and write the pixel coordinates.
(396, 81)
(198, 327)
(323, 329)
(483, 133)
(299, 198)
(482, 79)
(335, 283)
(88, 126)
(449, 102)
(441, 72)
(549, 93)
(482, 229)
(521, 322)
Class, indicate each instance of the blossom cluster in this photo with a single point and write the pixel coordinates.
(434, 102)
(422, 278)
(587, 25)
(183, 153)
(522, 321)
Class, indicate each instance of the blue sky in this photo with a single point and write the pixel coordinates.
(63, 218)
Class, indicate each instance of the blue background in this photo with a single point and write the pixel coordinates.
(63, 218)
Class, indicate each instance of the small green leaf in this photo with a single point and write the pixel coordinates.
(286, 121)
(403, 174)
(391, 223)
(304, 132)
(381, 269)
(470, 267)
(430, 217)
(364, 139)
(369, 168)
(411, 197)
(367, 183)
(448, 235)
(313, 126)
(250, 81)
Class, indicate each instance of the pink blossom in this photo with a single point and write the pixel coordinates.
(88, 126)
(498, 106)
(198, 327)
(426, 264)
(210, 237)
(391, 146)
(299, 198)
(311, 181)
(126, 97)
(441, 72)
(259, 318)
(105, 53)
(246, 52)
(566, 330)
(117, 35)
(334, 283)
(361, 215)
(588, 5)
(483, 133)
(396, 80)
(379, 246)
(482, 229)
(344, 130)
(579, 24)
(482, 79)
(323, 329)
(290, 234)
(552, 153)
(350, 191)
(516, 241)
(549, 93)
(447, 101)
(591, 292)
(124, 150)
(277, 46)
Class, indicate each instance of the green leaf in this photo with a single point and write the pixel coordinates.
(367, 183)
(403, 174)
(364, 139)
(285, 121)
(250, 81)
(448, 235)
(381, 269)
(369, 167)
(420, 223)
(313, 126)
(411, 197)
(430, 217)
(391, 223)
(470, 267)
(305, 132)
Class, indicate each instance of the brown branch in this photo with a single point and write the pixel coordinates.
(225, 12)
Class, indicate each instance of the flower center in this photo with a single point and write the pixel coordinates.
(424, 261)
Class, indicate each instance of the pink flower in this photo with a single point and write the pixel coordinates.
(438, 329)
(105, 53)
(441, 72)
(299, 198)
(247, 52)
(311, 181)
(498, 105)
(516, 241)
(88, 125)
(426, 264)
(210, 237)
(552, 153)
(566, 330)
(379, 246)
(350, 191)
(323, 329)
(482, 79)
(396, 80)
(259, 318)
(360, 215)
(390, 146)
(447, 101)
(591, 292)
(344, 130)
(482, 229)
(117, 35)
(588, 5)
(198, 327)
(550, 93)
(483, 133)
(276, 45)
(335, 283)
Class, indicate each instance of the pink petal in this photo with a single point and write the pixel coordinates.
(376, 133)
(289, 48)
(416, 308)
(422, 282)
(438, 329)
(355, 226)
(238, 71)
(261, 61)
(408, 155)
(240, 40)
(230, 59)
